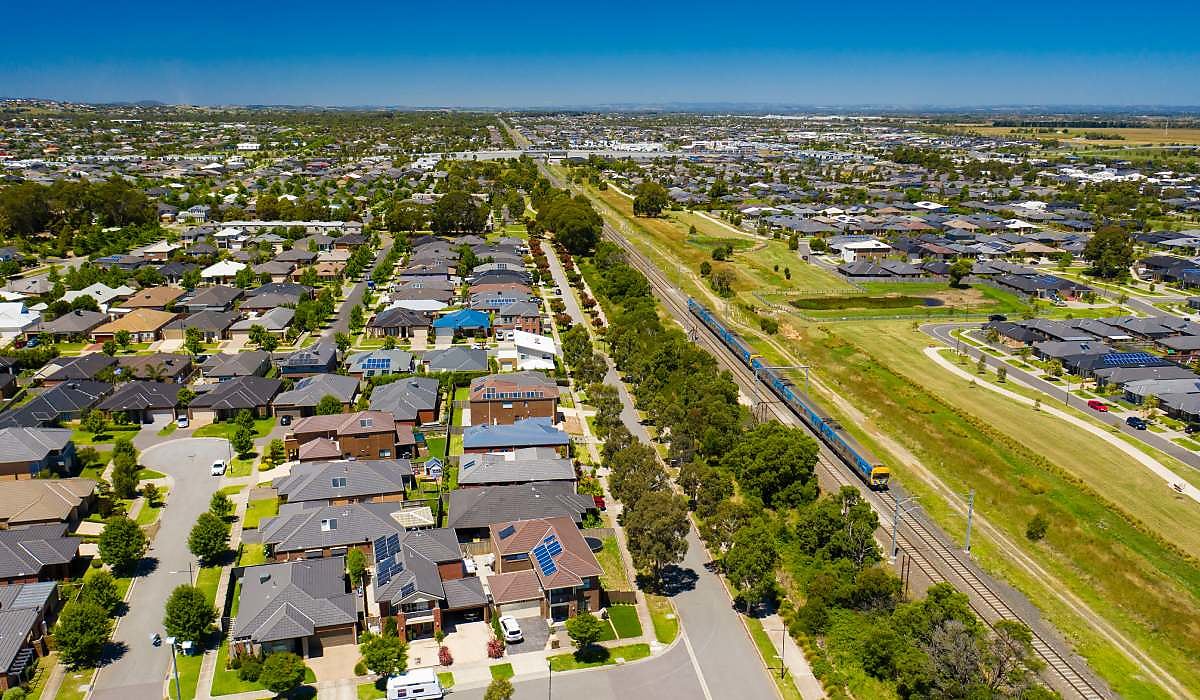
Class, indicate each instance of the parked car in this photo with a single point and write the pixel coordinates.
(218, 468)
(1135, 423)
(1098, 406)
(31, 343)
(511, 629)
(1192, 428)
(997, 317)
(599, 501)
(285, 420)
(181, 422)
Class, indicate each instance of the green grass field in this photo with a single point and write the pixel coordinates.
(630, 652)
(226, 429)
(662, 614)
(624, 620)
(767, 650)
(258, 509)
(614, 577)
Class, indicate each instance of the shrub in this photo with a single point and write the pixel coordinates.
(360, 668)
(1037, 527)
(444, 657)
(250, 669)
(495, 649)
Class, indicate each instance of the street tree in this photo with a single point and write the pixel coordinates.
(81, 632)
(122, 543)
(209, 538)
(385, 655)
(220, 505)
(750, 563)
(100, 587)
(499, 689)
(188, 615)
(657, 527)
(243, 441)
(94, 422)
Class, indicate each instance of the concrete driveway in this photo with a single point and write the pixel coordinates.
(334, 663)
(138, 669)
(537, 633)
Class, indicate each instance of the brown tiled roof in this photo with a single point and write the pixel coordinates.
(33, 500)
(321, 448)
(137, 321)
(153, 296)
(514, 587)
(572, 565)
(347, 423)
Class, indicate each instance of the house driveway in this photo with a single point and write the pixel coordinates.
(467, 642)
(334, 663)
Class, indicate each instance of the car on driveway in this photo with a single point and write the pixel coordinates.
(218, 468)
(181, 422)
(1098, 406)
(511, 629)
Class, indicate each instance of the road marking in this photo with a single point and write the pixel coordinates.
(695, 664)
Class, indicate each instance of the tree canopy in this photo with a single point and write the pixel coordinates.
(649, 199)
(1110, 251)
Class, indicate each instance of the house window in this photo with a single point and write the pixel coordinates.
(385, 453)
(339, 482)
(328, 524)
(506, 404)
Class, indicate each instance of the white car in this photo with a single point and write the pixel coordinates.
(512, 630)
(218, 468)
(181, 422)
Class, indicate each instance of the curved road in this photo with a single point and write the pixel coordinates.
(140, 670)
(941, 331)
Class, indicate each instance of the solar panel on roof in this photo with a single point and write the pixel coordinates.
(507, 532)
(408, 589)
(394, 544)
(553, 547)
(1130, 359)
(381, 549)
(384, 575)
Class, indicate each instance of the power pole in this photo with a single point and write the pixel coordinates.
(970, 517)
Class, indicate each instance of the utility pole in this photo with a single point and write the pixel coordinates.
(970, 517)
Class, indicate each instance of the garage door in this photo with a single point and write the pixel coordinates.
(338, 637)
(528, 608)
(161, 416)
(203, 418)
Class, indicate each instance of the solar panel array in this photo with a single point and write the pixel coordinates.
(1131, 359)
(507, 532)
(378, 363)
(408, 589)
(387, 547)
(544, 559)
(386, 570)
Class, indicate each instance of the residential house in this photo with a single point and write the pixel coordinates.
(224, 400)
(26, 502)
(143, 401)
(544, 568)
(102, 293)
(27, 611)
(455, 359)
(301, 606)
(306, 362)
(422, 581)
(525, 432)
(26, 451)
(529, 352)
(372, 363)
(77, 324)
(473, 511)
(159, 367)
(216, 298)
(346, 481)
(15, 319)
(64, 402)
(361, 435)
(144, 325)
(275, 322)
(398, 323)
(72, 369)
(501, 399)
(465, 322)
(522, 316)
(412, 400)
(302, 400)
(36, 553)
(222, 366)
(213, 325)
(155, 298)
(523, 466)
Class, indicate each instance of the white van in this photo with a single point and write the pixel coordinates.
(417, 683)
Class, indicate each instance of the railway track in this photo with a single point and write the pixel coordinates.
(931, 554)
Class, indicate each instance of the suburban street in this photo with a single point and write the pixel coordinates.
(725, 660)
(140, 670)
(341, 321)
(942, 332)
(669, 676)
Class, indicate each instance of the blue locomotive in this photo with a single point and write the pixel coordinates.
(833, 435)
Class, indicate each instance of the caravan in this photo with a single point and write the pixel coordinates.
(417, 683)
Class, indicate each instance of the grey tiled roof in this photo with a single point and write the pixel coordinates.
(406, 397)
(509, 468)
(455, 359)
(313, 481)
(25, 551)
(238, 393)
(18, 444)
(309, 391)
(420, 551)
(14, 628)
(301, 526)
(293, 599)
(480, 507)
(138, 395)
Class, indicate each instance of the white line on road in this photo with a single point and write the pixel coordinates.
(695, 664)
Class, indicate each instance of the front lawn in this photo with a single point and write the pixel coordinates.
(601, 657)
(170, 428)
(258, 509)
(368, 691)
(613, 577)
(252, 555)
(226, 681)
(662, 614)
(83, 438)
(502, 670)
(625, 621)
(226, 429)
(241, 466)
(148, 513)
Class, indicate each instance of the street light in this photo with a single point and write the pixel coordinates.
(174, 666)
(550, 678)
(902, 506)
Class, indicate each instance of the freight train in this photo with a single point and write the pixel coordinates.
(833, 435)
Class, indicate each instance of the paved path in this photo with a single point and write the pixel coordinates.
(1146, 460)
(139, 672)
(942, 332)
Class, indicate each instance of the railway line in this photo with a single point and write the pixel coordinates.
(930, 553)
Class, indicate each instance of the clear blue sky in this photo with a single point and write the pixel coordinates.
(533, 53)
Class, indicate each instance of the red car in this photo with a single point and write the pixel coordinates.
(1098, 406)
(599, 501)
